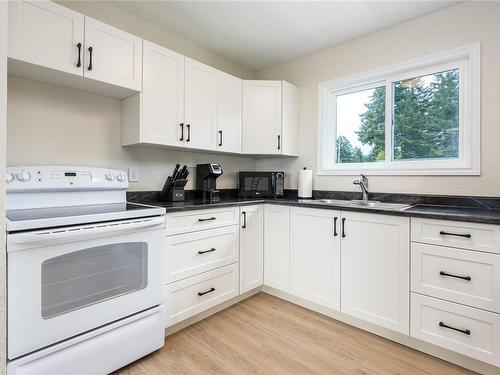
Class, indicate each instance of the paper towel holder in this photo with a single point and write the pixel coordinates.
(305, 183)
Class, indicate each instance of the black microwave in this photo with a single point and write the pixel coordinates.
(261, 184)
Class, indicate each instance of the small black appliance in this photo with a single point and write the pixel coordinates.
(206, 176)
(261, 184)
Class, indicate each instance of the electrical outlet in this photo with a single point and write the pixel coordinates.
(133, 174)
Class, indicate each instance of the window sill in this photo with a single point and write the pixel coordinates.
(399, 172)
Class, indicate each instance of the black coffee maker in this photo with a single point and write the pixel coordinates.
(206, 174)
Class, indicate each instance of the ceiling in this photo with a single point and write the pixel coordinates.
(260, 34)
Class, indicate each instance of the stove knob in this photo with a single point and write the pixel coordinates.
(120, 177)
(110, 176)
(9, 177)
(23, 176)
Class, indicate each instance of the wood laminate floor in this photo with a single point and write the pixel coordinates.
(266, 335)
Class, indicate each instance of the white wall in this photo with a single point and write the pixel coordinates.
(49, 124)
(3, 126)
(452, 27)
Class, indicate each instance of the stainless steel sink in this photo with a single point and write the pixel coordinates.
(359, 203)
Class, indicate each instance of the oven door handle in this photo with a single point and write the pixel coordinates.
(79, 232)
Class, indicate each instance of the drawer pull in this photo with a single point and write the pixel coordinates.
(468, 278)
(442, 233)
(207, 219)
(208, 291)
(206, 251)
(464, 331)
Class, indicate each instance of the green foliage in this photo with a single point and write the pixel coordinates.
(425, 121)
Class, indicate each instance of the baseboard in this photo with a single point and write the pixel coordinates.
(433, 350)
(213, 310)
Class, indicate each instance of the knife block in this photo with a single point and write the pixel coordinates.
(173, 191)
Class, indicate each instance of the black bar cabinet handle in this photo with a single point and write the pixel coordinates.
(335, 227)
(464, 331)
(182, 131)
(442, 233)
(468, 278)
(220, 141)
(79, 63)
(343, 227)
(207, 219)
(206, 251)
(208, 291)
(188, 126)
(244, 220)
(279, 142)
(90, 61)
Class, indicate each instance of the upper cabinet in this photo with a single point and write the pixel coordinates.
(200, 105)
(112, 55)
(270, 118)
(162, 100)
(46, 34)
(228, 112)
(47, 39)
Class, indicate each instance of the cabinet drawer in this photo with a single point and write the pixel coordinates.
(193, 253)
(183, 298)
(471, 236)
(463, 276)
(190, 221)
(466, 330)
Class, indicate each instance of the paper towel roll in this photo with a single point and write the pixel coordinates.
(305, 183)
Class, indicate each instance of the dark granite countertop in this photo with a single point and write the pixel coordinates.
(477, 212)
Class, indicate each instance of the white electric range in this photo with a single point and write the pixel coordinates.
(84, 271)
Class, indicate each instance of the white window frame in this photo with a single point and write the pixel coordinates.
(467, 59)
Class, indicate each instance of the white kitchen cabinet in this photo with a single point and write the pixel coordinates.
(112, 55)
(251, 247)
(375, 269)
(315, 255)
(46, 34)
(160, 106)
(277, 247)
(229, 91)
(270, 118)
(200, 105)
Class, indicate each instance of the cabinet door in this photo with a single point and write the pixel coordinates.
(261, 117)
(290, 121)
(200, 105)
(163, 96)
(375, 269)
(251, 247)
(229, 91)
(112, 55)
(46, 34)
(277, 246)
(315, 255)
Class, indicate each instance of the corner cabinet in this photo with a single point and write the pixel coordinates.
(270, 118)
(315, 255)
(251, 247)
(375, 253)
(277, 247)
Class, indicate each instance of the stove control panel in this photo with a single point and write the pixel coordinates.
(28, 178)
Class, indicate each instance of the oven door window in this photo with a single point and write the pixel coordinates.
(255, 184)
(85, 277)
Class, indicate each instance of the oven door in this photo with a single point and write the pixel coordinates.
(256, 184)
(66, 281)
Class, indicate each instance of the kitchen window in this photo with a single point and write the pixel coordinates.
(417, 118)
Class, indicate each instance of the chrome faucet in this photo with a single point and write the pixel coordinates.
(362, 181)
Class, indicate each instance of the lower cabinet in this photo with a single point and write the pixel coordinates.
(196, 294)
(277, 247)
(376, 269)
(251, 247)
(315, 255)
